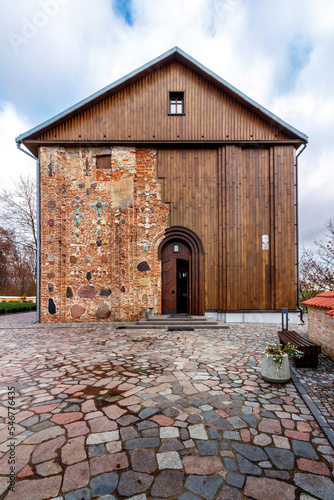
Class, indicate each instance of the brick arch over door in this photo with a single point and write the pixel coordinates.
(184, 235)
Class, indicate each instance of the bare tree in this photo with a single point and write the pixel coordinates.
(18, 207)
(16, 269)
(317, 266)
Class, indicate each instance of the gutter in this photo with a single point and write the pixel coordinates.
(297, 233)
(18, 144)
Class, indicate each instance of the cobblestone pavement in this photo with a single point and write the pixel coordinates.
(319, 384)
(102, 413)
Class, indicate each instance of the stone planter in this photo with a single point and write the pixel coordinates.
(272, 372)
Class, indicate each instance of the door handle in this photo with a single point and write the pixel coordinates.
(173, 291)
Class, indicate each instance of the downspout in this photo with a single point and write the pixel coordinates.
(297, 232)
(18, 144)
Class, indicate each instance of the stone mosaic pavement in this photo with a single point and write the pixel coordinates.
(102, 413)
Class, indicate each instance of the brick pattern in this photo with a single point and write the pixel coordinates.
(97, 226)
(321, 329)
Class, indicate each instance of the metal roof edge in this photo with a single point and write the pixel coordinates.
(163, 56)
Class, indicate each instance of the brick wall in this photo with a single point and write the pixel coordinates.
(321, 329)
(100, 232)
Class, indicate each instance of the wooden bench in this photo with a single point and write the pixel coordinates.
(310, 350)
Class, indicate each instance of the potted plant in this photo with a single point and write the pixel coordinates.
(275, 364)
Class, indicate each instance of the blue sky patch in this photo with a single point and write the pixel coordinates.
(298, 56)
(123, 8)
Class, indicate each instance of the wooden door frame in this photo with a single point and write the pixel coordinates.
(185, 235)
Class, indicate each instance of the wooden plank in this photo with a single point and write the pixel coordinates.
(140, 111)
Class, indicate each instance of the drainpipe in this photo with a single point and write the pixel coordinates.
(297, 232)
(38, 227)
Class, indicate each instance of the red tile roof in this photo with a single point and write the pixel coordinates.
(324, 300)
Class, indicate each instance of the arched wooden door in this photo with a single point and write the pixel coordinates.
(182, 265)
(176, 279)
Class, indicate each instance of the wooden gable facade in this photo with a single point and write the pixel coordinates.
(146, 206)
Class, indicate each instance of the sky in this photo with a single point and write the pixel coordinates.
(54, 53)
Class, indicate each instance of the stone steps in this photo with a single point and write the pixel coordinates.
(175, 323)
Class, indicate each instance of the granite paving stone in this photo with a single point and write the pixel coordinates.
(319, 486)
(75, 476)
(169, 483)
(197, 431)
(136, 444)
(80, 494)
(302, 449)
(114, 446)
(132, 483)
(229, 493)
(247, 467)
(280, 458)
(187, 495)
(109, 463)
(169, 460)
(234, 479)
(150, 414)
(143, 460)
(96, 450)
(230, 464)
(268, 489)
(205, 486)
(251, 452)
(209, 447)
(172, 444)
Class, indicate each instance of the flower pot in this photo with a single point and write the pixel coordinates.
(273, 372)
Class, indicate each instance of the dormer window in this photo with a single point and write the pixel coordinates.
(176, 103)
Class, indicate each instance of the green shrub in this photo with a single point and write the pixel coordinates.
(15, 307)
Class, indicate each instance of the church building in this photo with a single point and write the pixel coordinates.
(168, 191)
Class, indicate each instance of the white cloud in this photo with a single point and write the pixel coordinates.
(13, 162)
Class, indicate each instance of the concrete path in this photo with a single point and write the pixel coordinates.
(101, 413)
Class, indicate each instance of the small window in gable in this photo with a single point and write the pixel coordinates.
(103, 162)
(176, 103)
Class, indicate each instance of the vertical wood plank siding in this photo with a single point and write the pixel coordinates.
(139, 112)
(230, 197)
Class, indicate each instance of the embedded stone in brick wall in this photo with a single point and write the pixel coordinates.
(51, 275)
(51, 222)
(73, 259)
(52, 307)
(50, 238)
(77, 311)
(51, 257)
(143, 266)
(89, 276)
(69, 292)
(103, 310)
(144, 282)
(51, 287)
(87, 291)
(105, 292)
(52, 204)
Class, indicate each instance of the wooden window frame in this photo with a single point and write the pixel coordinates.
(103, 162)
(179, 97)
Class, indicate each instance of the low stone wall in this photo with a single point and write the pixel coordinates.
(321, 329)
